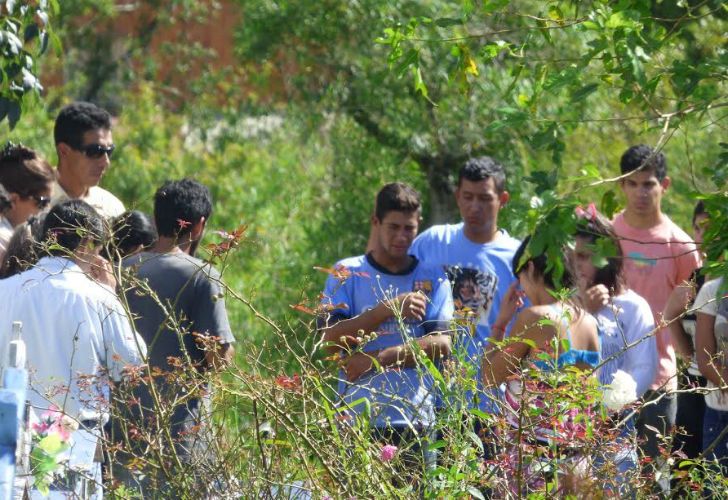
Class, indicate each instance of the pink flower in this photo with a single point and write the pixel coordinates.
(388, 452)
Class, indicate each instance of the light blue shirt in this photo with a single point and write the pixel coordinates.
(480, 274)
(395, 397)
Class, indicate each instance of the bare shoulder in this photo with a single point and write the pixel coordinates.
(533, 314)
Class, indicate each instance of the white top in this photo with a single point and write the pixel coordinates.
(6, 232)
(622, 324)
(74, 329)
(105, 203)
(707, 303)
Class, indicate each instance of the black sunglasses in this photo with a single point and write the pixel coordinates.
(97, 150)
(41, 201)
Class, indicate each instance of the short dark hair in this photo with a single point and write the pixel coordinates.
(178, 205)
(481, 168)
(130, 230)
(69, 223)
(78, 118)
(610, 275)
(699, 210)
(396, 197)
(540, 264)
(24, 171)
(643, 157)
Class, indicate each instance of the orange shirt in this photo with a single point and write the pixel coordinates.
(656, 260)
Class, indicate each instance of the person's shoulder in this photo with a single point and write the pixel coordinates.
(677, 234)
(105, 201)
(507, 242)
(355, 262)
(631, 299)
(439, 232)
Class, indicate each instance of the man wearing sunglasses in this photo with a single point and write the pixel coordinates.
(84, 145)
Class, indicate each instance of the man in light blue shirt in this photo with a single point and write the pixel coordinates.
(407, 304)
(477, 257)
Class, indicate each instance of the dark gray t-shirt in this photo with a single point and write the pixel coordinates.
(190, 288)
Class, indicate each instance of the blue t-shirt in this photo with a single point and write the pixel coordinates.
(396, 397)
(480, 274)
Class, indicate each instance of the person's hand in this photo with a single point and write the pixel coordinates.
(411, 305)
(357, 365)
(595, 297)
(97, 268)
(512, 300)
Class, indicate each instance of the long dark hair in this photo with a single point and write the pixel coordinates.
(542, 267)
(593, 229)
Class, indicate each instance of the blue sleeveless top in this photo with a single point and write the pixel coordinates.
(572, 356)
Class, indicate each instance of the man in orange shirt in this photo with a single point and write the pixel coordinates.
(658, 257)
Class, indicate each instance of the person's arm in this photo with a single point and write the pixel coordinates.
(344, 334)
(705, 350)
(501, 362)
(435, 347)
(640, 360)
(512, 300)
(220, 357)
(674, 309)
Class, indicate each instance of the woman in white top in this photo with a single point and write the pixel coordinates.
(27, 178)
(711, 349)
(626, 329)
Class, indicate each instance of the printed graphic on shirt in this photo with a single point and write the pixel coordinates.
(640, 260)
(473, 292)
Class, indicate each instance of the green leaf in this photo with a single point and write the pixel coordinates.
(584, 92)
(446, 22)
(490, 6)
(419, 82)
(475, 493)
(609, 205)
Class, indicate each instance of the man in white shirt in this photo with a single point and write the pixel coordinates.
(84, 144)
(75, 329)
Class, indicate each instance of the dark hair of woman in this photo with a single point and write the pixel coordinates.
(596, 228)
(23, 248)
(541, 267)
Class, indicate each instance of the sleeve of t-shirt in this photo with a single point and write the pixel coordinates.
(441, 308)
(122, 345)
(209, 315)
(706, 301)
(336, 303)
(641, 359)
(688, 260)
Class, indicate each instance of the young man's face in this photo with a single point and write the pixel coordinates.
(479, 203)
(88, 164)
(644, 192)
(395, 233)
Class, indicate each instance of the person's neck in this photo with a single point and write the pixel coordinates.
(394, 266)
(73, 188)
(642, 221)
(543, 297)
(481, 235)
(165, 244)
(13, 219)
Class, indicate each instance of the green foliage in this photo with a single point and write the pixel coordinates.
(25, 35)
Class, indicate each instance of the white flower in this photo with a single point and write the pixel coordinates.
(621, 392)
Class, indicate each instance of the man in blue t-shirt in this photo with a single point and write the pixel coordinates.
(477, 257)
(408, 305)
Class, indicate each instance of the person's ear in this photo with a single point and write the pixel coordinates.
(197, 229)
(63, 149)
(375, 220)
(504, 197)
(665, 183)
